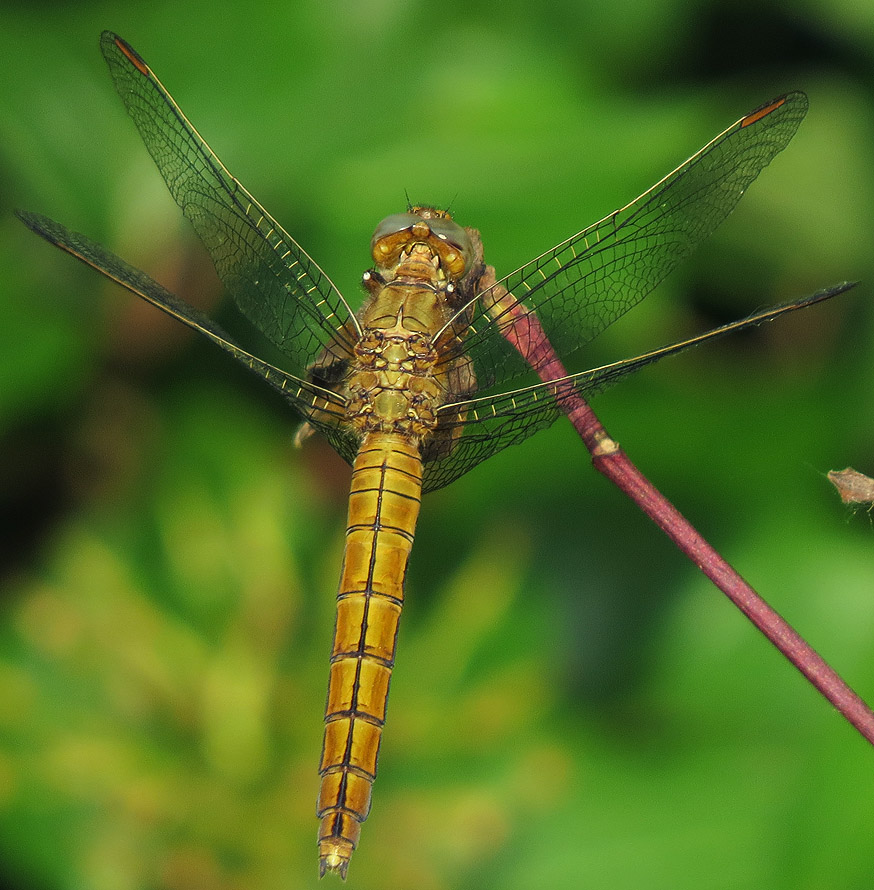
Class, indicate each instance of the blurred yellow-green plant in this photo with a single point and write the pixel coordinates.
(573, 704)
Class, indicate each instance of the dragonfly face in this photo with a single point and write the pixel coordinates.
(413, 390)
(425, 230)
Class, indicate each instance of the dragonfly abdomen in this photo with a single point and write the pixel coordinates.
(383, 509)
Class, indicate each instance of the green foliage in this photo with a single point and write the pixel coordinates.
(573, 705)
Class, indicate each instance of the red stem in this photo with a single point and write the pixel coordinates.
(523, 330)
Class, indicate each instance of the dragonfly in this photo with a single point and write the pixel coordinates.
(423, 382)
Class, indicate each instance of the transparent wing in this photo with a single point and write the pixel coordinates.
(585, 283)
(489, 424)
(322, 408)
(275, 283)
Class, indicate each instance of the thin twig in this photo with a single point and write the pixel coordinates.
(523, 330)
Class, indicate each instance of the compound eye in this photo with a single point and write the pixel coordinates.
(391, 236)
(459, 257)
(391, 225)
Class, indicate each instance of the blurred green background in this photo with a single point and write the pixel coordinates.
(574, 705)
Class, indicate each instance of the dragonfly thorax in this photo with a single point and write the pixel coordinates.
(392, 389)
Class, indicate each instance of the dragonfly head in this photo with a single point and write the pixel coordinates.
(422, 243)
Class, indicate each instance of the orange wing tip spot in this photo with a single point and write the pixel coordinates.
(133, 56)
(764, 111)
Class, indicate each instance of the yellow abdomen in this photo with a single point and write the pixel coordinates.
(383, 508)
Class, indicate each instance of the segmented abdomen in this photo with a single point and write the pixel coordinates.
(383, 508)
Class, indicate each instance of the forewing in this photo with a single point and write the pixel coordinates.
(322, 408)
(486, 425)
(275, 283)
(585, 283)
